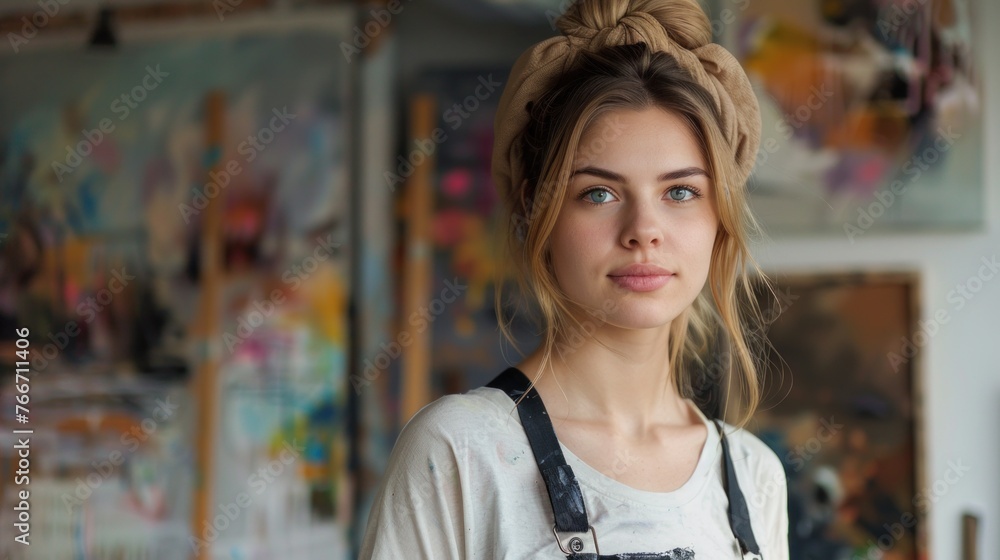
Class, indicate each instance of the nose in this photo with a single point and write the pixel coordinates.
(643, 226)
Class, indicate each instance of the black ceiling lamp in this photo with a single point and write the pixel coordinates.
(104, 33)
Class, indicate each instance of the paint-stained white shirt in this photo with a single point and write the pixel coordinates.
(462, 483)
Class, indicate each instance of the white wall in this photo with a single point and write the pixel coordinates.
(961, 363)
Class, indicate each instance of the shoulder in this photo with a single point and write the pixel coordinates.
(754, 458)
(453, 413)
(439, 476)
(759, 469)
(747, 447)
(762, 479)
(458, 419)
(452, 441)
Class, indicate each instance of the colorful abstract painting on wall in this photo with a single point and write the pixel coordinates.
(104, 161)
(871, 113)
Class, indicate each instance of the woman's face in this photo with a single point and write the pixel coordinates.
(639, 193)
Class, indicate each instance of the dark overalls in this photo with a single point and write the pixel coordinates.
(564, 491)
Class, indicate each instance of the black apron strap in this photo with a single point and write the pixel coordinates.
(564, 490)
(739, 515)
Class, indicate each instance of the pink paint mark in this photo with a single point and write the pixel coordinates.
(456, 183)
(871, 171)
(72, 293)
(858, 172)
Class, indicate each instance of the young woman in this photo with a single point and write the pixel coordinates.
(622, 151)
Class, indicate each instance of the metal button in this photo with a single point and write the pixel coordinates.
(576, 544)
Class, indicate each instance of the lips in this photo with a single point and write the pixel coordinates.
(641, 277)
(640, 269)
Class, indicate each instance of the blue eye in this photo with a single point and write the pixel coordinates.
(601, 198)
(674, 192)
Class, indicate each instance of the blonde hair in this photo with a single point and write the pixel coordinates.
(635, 77)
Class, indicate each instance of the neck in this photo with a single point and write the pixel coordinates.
(625, 386)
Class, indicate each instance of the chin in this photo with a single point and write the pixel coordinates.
(643, 315)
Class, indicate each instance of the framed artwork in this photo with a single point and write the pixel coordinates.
(871, 113)
(842, 409)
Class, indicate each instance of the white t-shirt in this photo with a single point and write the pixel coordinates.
(462, 483)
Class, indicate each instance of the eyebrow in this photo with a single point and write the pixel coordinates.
(612, 176)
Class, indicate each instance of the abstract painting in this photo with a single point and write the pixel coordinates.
(101, 147)
(871, 113)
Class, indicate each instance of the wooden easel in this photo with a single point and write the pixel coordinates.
(206, 329)
(419, 266)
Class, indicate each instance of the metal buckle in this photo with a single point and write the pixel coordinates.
(593, 533)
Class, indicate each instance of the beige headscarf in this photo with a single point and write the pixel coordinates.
(677, 27)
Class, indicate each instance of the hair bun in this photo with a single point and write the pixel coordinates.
(683, 21)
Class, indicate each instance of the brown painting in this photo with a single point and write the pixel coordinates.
(841, 409)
